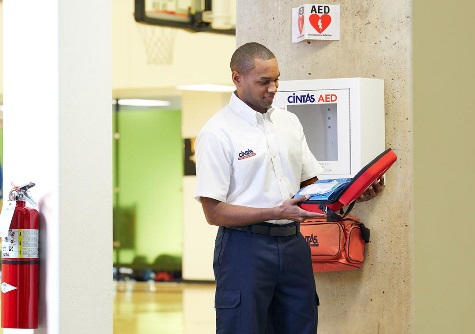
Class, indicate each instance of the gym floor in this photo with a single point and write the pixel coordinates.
(164, 308)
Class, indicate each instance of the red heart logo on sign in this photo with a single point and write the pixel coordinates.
(301, 21)
(320, 23)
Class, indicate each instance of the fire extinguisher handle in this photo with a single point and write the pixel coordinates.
(27, 186)
(30, 200)
(21, 194)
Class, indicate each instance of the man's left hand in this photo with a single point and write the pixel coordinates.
(372, 191)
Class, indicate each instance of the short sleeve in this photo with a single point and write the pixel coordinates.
(213, 165)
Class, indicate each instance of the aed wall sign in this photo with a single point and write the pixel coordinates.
(316, 22)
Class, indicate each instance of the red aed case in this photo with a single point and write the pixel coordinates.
(355, 188)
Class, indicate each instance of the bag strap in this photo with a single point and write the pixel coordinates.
(365, 233)
(333, 215)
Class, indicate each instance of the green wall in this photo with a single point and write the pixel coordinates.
(150, 170)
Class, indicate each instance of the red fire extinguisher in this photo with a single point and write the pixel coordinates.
(20, 264)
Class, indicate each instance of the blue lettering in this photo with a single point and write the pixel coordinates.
(291, 99)
(305, 98)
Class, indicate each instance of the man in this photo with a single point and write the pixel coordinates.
(251, 159)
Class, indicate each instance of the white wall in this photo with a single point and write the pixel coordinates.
(198, 239)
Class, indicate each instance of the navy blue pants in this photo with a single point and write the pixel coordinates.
(264, 284)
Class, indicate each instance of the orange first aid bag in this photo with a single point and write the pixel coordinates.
(335, 245)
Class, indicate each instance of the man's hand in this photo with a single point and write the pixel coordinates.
(291, 210)
(372, 191)
(223, 214)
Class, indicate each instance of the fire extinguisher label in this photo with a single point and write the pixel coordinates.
(21, 243)
(6, 216)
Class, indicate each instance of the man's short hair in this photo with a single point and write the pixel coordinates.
(242, 60)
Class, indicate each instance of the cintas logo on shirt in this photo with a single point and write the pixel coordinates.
(246, 154)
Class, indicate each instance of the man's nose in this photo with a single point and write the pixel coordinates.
(273, 87)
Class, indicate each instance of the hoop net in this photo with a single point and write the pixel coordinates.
(158, 43)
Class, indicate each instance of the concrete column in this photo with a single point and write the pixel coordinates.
(375, 43)
(57, 133)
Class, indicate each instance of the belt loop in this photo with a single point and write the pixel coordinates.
(249, 229)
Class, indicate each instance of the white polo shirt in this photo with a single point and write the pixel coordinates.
(247, 158)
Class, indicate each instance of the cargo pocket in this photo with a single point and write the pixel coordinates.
(228, 314)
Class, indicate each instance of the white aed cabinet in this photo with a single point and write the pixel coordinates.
(343, 120)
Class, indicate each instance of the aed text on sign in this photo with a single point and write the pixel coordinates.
(320, 9)
(310, 98)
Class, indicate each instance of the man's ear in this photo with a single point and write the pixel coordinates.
(237, 78)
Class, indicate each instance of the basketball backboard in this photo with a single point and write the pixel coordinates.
(215, 16)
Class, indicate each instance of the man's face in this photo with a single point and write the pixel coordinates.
(258, 87)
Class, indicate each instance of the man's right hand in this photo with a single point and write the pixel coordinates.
(291, 210)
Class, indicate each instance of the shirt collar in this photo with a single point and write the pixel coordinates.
(244, 111)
